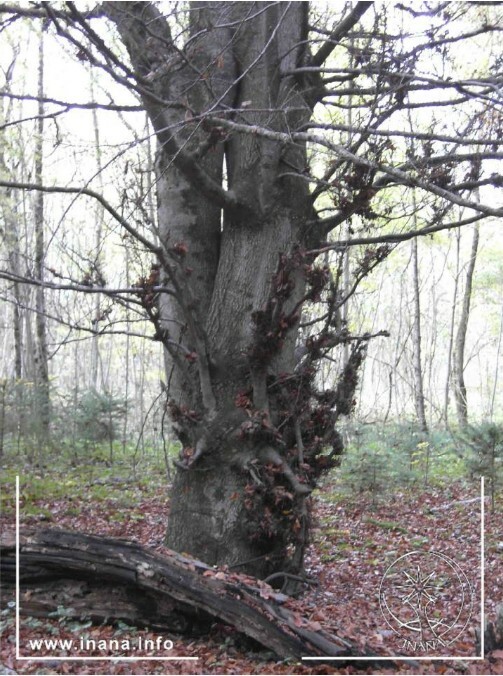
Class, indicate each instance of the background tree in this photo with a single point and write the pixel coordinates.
(40, 357)
(416, 340)
(256, 176)
(459, 346)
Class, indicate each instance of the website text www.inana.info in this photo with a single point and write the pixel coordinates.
(108, 646)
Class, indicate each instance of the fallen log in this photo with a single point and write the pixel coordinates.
(109, 579)
(493, 634)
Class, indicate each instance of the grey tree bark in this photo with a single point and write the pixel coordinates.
(451, 332)
(97, 263)
(41, 360)
(236, 499)
(11, 239)
(459, 385)
(416, 342)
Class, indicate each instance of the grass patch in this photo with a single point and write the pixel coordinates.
(56, 476)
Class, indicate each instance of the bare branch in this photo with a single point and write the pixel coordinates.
(69, 105)
(41, 13)
(424, 136)
(393, 237)
(339, 32)
(397, 174)
(19, 185)
(81, 288)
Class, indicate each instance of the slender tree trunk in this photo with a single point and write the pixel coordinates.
(3, 398)
(17, 325)
(432, 342)
(416, 342)
(460, 342)
(416, 325)
(451, 331)
(125, 426)
(346, 274)
(41, 354)
(95, 351)
(496, 367)
(14, 264)
(395, 357)
(75, 397)
(30, 346)
(11, 238)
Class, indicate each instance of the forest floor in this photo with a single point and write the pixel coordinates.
(355, 540)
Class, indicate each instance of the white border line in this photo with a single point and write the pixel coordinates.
(482, 565)
(17, 568)
(482, 613)
(105, 659)
(71, 659)
(304, 659)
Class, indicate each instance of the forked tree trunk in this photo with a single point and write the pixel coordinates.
(232, 251)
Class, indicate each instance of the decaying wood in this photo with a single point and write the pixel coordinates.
(109, 579)
(493, 634)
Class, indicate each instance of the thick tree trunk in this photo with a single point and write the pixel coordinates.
(217, 512)
(111, 580)
(253, 427)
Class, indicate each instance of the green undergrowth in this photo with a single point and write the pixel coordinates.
(94, 480)
(384, 463)
(381, 459)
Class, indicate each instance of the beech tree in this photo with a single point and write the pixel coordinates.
(264, 183)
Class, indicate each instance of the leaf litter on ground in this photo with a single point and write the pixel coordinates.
(354, 540)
